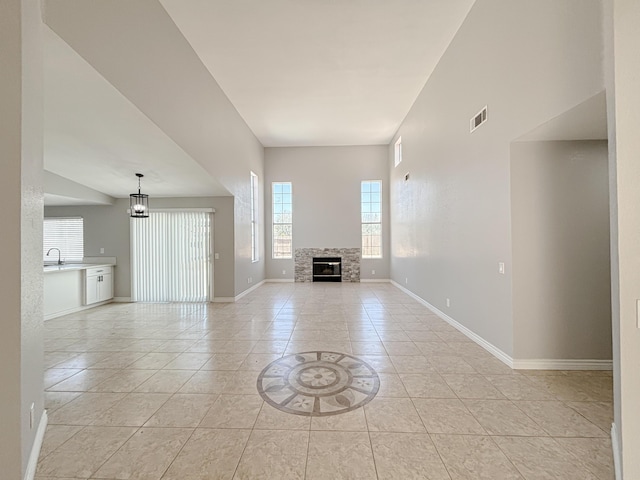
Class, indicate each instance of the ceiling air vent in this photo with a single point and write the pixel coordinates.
(478, 119)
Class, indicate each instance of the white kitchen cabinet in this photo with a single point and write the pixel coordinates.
(98, 285)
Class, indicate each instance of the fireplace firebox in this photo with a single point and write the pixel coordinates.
(327, 269)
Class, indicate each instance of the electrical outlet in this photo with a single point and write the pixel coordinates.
(501, 268)
(32, 415)
(406, 281)
(284, 272)
(249, 280)
(373, 272)
(101, 250)
(448, 302)
(216, 256)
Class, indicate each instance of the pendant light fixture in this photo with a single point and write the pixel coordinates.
(139, 202)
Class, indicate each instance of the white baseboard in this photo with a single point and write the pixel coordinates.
(495, 351)
(518, 364)
(615, 446)
(248, 291)
(122, 299)
(279, 280)
(75, 310)
(37, 445)
(239, 296)
(374, 280)
(561, 364)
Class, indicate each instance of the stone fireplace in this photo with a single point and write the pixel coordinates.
(350, 262)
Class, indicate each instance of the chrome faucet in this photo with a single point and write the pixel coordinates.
(54, 248)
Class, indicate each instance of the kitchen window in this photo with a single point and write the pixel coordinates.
(66, 234)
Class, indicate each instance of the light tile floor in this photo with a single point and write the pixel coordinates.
(151, 391)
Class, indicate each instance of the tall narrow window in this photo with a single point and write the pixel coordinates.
(255, 238)
(398, 152)
(282, 220)
(371, 208)
(65, 234)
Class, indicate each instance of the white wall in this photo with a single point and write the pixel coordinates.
(450, 224)
(108, 227)
(151, 63)
(21, 342)
(561, 265)
(326, 200)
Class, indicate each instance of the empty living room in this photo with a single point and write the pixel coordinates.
(294, 239)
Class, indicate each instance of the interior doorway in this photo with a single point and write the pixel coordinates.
(561, 271)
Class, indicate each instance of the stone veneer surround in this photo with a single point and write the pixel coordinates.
(303, 262)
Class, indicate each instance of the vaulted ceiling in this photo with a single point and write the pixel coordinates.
(309, 72)
(299, 72)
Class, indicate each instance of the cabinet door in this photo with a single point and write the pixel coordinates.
(91, 290)
(106, 287)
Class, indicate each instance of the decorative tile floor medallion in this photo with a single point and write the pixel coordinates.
(318, 384)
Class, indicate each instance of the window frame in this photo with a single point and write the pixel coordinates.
(276, 255)
(397, 152)
(255, 237)
(369, 222)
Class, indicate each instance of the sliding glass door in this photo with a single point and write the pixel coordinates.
(170, 257)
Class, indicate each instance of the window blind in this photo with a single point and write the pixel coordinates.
(65, 233)
(170, 257)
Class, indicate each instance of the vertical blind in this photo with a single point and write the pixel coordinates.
(65, 233)
(170, 257)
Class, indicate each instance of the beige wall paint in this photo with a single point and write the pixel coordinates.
(21, 343)
(560, 232)
(326, 200)
(450, 223)
(10, 195)
(623, 72)
(152, 64)
(108, 227)
(32, 336)
(608, 32)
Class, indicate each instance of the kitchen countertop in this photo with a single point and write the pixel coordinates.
(66, 267)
